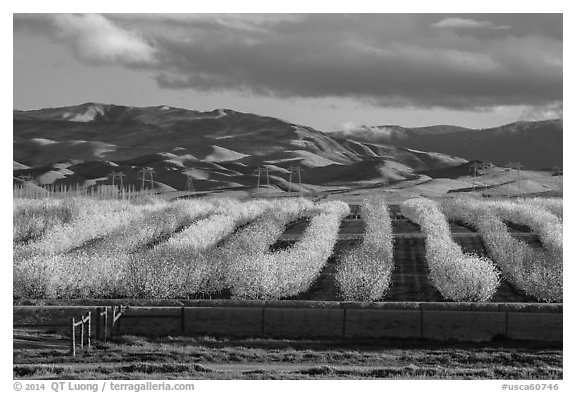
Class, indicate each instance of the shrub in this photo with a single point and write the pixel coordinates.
(33, 218)
(533, 271)
(228, 215)
(364, 272)
(93, 263)
(553, 205)
(546, 225)
(284, 273)
(191, 261)
(456, 275)
(94, 219)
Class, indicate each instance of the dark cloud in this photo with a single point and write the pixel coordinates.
(453, 61)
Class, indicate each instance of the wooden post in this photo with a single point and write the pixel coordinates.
(98, 314)
(82, 333)
(182, 319)
(73, 338)
(113, 330)
(89, 327)
(105, 324)
(116, 319)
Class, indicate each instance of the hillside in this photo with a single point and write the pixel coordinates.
(219, 149)
(535, 144)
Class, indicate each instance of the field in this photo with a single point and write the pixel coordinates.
(289, 249)
(219, 358)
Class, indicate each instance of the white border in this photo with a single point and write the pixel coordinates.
(301, 6)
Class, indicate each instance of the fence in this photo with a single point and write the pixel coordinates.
(85, 320)
(116, 318)
(101, 322)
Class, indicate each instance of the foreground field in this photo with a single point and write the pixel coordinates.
(131, 357)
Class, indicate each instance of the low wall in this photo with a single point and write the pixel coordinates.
(294, 319)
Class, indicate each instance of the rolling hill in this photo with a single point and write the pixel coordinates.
(536, 144)
(219, 149)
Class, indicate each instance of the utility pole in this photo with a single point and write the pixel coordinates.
(511, 166)
(475, 167)
(120, 175)
(295, 169)
(26, 178)
(557, 171)
(258, 172)
(190, 183)
(150, 172)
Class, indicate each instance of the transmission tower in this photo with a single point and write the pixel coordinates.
(557, 171)
(118, 175)
(475, 167)
(512, 166)
(258, 172)
(150, 172)
(190, 183)
(25, 178)
(295, 169)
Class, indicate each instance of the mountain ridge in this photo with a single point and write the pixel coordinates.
(219, 149)
(536, 144)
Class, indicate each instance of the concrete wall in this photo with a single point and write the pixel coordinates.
(223, 321)
(292, 319)
(54, 319)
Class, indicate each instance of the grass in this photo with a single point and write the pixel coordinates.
(130, 357)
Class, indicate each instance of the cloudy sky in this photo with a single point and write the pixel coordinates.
(329, 71)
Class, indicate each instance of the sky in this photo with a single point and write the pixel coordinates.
(328, 71)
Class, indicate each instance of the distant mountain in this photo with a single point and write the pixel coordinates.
(218, 149)
(536, 144)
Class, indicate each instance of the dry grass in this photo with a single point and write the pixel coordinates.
(219, 358)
